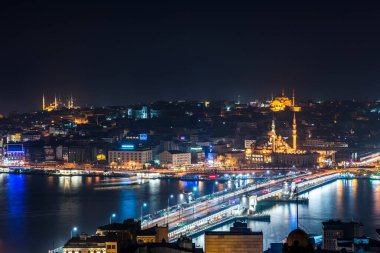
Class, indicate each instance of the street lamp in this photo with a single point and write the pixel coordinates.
(213, 187)
(141, 211)
(112, 216)
(195, 190)
(167, 211)
(75, 229)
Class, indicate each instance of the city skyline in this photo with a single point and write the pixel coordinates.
(128, 53)
(190, 126)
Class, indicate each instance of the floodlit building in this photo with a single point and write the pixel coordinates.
(57, 104)
(281, 102)
(14, 155)
(276, 150)
(129, 157)
(91, 244)
(175, 158)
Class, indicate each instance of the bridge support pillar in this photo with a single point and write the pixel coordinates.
(252, 204)
(244, 203)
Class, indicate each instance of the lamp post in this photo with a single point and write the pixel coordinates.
(167, 211)
(141, 210)
(213, 187)
(75, 229)
(112, 216)
(194, 190)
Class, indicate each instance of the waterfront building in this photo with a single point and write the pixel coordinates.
(277, 151)
(240, 238)
(174, 158)
(14, 137)
(333, 230)
(79, 154)
(197, 154)
(91, 244)
(129, 157)
(14, 155)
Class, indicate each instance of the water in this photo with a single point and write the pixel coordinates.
(37, 213)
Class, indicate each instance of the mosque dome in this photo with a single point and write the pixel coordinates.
(298, 237)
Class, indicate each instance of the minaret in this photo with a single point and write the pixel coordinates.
(43, 102)
(55, 102)
(294, 131)
(71, 102)
(273, 137)
(293, 100)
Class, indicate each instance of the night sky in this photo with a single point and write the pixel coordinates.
(118, 53)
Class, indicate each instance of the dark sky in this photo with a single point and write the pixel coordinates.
(109, 52)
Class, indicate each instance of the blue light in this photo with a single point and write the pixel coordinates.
(143, 137)
(128, 146)
(15, 148)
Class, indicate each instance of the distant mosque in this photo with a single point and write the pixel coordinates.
(275, 149)
(58, 104)
(281, 102)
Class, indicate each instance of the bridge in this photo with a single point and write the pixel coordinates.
(368, 158)
(215, 209)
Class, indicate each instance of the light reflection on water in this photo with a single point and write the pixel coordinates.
(356, 199)
(35, 207)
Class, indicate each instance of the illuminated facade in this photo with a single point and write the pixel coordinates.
(132, 159)
(281, 102)
(14, 155)
(277, 151)
(91, 244)
(175, 158)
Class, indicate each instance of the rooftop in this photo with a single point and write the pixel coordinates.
(243, 232)
(84, 240)
(173, 152)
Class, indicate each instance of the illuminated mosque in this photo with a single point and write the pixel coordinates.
(281, 102)
(275, 149)
(57, 104)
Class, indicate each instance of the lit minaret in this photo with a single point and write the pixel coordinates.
(294, 131)
(273, 136)
(293, 100)
(71, 103)
(43, 102)
(55, 102)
